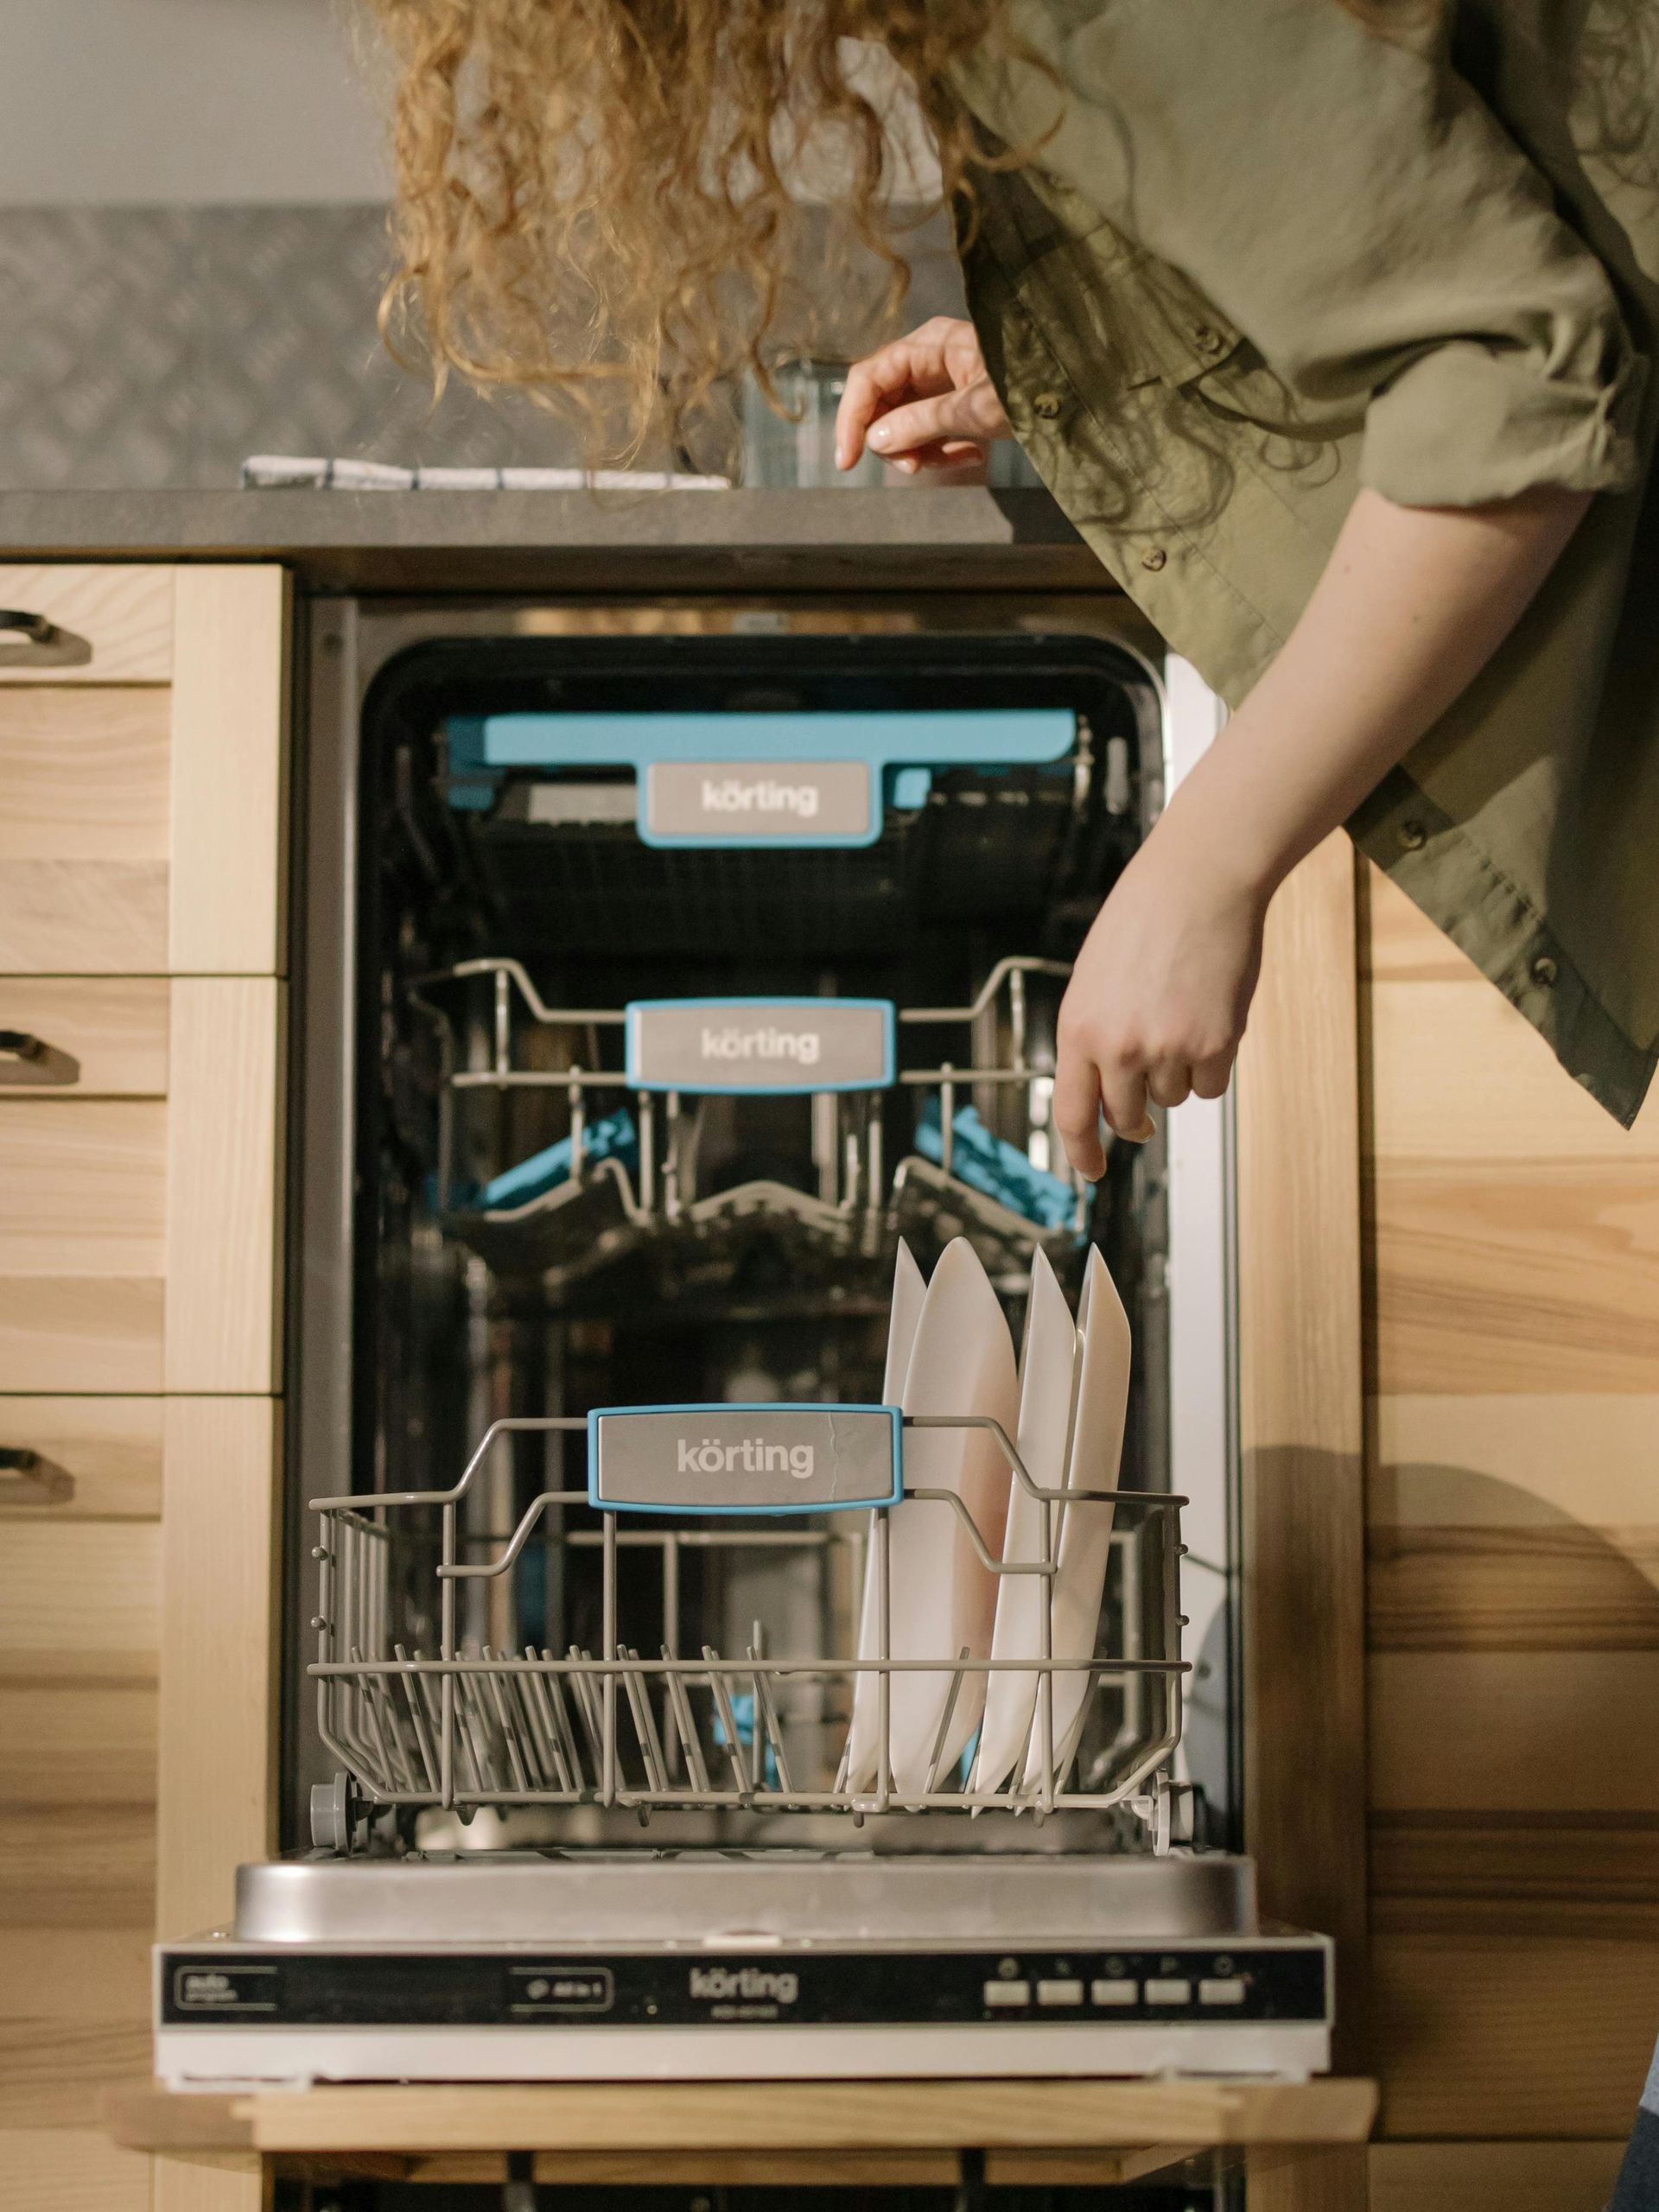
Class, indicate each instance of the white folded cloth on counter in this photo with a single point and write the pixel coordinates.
(277, 472)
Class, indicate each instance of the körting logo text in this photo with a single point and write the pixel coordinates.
(750, 1984)
(766, 1043)
(758, 795)
(753, 1455)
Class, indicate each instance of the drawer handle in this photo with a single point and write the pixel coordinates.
(43, 644)
(25, 1059)
(27, 1480)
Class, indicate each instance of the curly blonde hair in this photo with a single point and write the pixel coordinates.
(593, 197)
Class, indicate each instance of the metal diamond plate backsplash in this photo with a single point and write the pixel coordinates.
(148, 348)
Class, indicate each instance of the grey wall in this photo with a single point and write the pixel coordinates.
(131, 103)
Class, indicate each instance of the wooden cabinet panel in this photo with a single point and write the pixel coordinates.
(83, 831)
(114, 1027)
(70, 2169)
(1493, 2176)
(1508, 2036)
(219, 1669)
(85, 1187)
(75, 918)
(80, 1332)
(74, 2015)
(77, 1743)
(110, 1448)
(230, 708)
(1516, 1732)
(80, 1601)
(1515, 1277)
(1551, 1587)
(1573, 1874)
(85, 1863)
(122, 616)
(223, 1130)
(1459, 1074)
(1522, 1459)
(84, 774)
(1301, 1392)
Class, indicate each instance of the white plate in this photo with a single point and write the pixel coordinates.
(1086, 1530)
(1048, 1377)
(944, 1599)
(909, 1289)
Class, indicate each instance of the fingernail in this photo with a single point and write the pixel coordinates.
(909, 466)
(880, 435)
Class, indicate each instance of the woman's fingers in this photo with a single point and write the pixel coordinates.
(1076, 1113)
(913, 363)
(924, 422)
(1123, 1095)
(1212, 1077)
(1169, 1081)
(940, 365)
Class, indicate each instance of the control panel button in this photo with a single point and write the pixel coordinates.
(1060, 1992)
(1172, 1992)
(1113, 1992)
(1007, 1996)
(1221, 1989)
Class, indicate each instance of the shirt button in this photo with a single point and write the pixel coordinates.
(1543, 970)
(1153, 557)
(1046, 406)
(1208, 340)
(1413, 835)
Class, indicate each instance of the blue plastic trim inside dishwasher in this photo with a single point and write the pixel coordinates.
(898, 746)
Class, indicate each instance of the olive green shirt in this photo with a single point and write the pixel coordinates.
(1268, 256)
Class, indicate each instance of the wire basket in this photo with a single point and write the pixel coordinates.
(651, 1715)
(602, 1205)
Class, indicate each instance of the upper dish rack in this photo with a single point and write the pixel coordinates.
(471, 1724)
(633, 1175)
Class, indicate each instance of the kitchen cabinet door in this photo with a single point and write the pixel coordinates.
(143, 736)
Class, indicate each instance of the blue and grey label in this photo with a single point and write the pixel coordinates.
(782, 1044)
(801, 801)
(743, 1459)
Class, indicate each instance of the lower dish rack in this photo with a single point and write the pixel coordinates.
(426, 1711)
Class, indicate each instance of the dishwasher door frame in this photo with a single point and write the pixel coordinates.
(347, 641)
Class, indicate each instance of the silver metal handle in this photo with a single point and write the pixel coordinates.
(26, 1058)
(27, 1478)
(42, 643)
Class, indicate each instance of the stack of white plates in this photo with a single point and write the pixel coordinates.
(950, 1354)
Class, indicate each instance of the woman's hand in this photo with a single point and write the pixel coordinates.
(924, 401)
(1156, 1005)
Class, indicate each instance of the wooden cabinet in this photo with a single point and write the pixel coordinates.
(1512, 1502)
(142, 960)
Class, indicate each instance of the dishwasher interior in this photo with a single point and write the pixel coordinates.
(671, 976)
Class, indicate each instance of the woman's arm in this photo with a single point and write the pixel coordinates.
(1411, 605)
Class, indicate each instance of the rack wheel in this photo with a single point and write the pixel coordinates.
(332, 1815)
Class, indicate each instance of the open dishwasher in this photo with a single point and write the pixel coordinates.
(671, 974)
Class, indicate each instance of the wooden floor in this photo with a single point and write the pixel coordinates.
(1512, 1272)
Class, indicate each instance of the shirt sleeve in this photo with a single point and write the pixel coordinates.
(1357, 211)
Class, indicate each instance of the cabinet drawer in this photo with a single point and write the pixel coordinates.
(114, 625)
(101, 1460)
(113, 1028)
(83, 831)
(79, 1602)
(84, 1190)
(81, 1332)
(83, 1196)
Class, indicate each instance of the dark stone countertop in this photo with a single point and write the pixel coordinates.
(428, 541)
